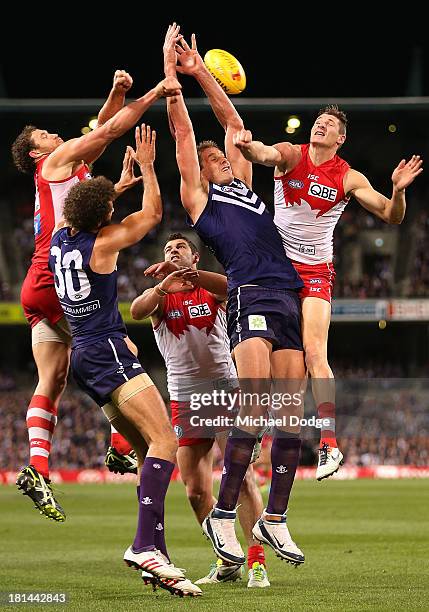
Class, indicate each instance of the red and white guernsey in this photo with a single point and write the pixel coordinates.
(309, 201)
(48, 209)
(192, 339)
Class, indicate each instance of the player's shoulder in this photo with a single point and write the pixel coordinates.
(291, 155)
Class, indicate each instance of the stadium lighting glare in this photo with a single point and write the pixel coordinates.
(85, 130)
(382, 324)
(379, 242)
(392, 128)
(290, 130)
(93, 123)
(293, 122)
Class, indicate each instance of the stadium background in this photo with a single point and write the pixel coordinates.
(380, 326)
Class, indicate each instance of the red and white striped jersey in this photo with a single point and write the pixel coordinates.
(192, 339)
(309, 201)
(48, 208)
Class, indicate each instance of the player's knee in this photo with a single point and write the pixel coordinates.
(170, 443)
(198, 495)
(54, 379)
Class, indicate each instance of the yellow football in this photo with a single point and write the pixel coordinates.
(226, 69)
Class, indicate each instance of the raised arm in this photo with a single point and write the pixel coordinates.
(393, 210)
(193, 195)
(122, 82)
(134, 227)
(90, 146)
(191, 63)
(283, 156)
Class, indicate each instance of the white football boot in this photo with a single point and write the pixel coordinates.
(276, 534)
(330, 459)
(219, 572)
(151, 562)
(218, 526)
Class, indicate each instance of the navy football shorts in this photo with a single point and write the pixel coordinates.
(102, 367)
(258, 312)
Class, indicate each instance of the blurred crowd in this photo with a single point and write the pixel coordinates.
(379, 421)
(369, 275)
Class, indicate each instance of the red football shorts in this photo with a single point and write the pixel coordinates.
(38, 297)
(196, 426)
(318, 280)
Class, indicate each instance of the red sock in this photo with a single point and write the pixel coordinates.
(41, 421)
(119, 443)
(326, 411)
(255, 554)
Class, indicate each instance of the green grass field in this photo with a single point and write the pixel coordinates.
(366, 545)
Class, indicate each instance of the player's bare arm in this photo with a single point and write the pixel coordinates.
(122, 83)
(87, 148)
(191, 63)
(393, 210)
(134, 227)
(151, 302)
(193, 192)
(283, 156)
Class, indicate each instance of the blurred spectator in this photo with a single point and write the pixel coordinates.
(379, 421)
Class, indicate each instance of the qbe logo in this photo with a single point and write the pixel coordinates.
(323, 192)
(199, 310)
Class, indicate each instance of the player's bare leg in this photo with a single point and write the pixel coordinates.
(316, 317)
(196, 464)
(146, 411)
(51, 353)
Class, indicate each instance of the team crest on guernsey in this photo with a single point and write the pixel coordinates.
(178, 431)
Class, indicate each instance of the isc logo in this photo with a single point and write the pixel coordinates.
(323, 192)
(199, 310)
(316, 289)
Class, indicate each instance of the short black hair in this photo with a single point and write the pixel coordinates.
(21, 148)
(179, 236)
(87, 204)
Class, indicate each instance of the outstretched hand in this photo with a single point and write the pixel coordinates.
(175, 282)
(169, 49)
(405, 172)
(145, 152)
(189, 58)
(127, 178)
(161, 270)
